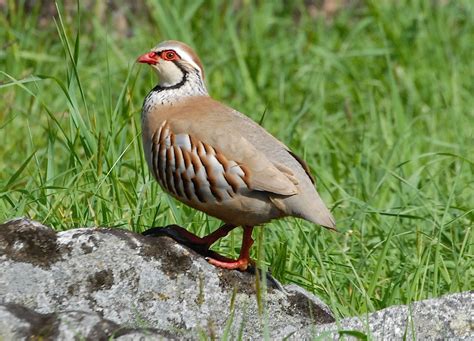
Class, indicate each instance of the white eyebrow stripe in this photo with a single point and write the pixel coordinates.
(186, 56)
(183, 54)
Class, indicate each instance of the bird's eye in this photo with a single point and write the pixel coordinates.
(169, 55)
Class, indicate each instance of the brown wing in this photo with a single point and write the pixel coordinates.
(196, 171)
(260, 173)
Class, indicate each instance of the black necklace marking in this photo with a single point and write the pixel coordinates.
(183, 80)
(186, 75)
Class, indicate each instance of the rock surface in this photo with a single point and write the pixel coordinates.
(99, 283)
(18, 322)
(110, 277)
(450, 317)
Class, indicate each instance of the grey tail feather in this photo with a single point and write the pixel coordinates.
(322, 216)
(327, 221)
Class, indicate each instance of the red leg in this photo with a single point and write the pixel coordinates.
(188, 238)
(202, 245)
(244, 259)
(221, 232)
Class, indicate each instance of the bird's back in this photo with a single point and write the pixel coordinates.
(307, 204)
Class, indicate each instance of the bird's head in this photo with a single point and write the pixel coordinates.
(175, 63)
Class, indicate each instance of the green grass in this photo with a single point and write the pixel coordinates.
(378, 99)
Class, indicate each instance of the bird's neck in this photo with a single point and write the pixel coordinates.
(164, 94)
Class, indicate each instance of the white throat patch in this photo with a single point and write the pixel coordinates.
(169, 73)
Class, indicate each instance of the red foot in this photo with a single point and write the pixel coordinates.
(239, 264)
(202, 245)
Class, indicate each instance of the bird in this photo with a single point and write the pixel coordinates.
(217, 160)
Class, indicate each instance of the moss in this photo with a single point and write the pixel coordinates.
(300, 305)
(101, 280)
(28, 242)
(41, 326)
(172, 262)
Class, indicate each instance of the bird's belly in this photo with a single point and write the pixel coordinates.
(251, 208)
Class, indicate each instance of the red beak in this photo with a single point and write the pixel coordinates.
(148, 58)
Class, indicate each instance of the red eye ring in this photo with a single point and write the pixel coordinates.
(169, 55)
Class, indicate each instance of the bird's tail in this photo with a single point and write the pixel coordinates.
(316, 211)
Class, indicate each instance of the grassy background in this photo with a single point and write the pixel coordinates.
(378, 98)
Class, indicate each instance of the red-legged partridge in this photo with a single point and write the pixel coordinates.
(217, 160)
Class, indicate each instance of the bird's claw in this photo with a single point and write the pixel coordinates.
(230, 264)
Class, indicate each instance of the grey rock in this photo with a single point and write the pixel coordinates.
(18, 322)
(146, 284)
(100, 283)
(448, 317)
